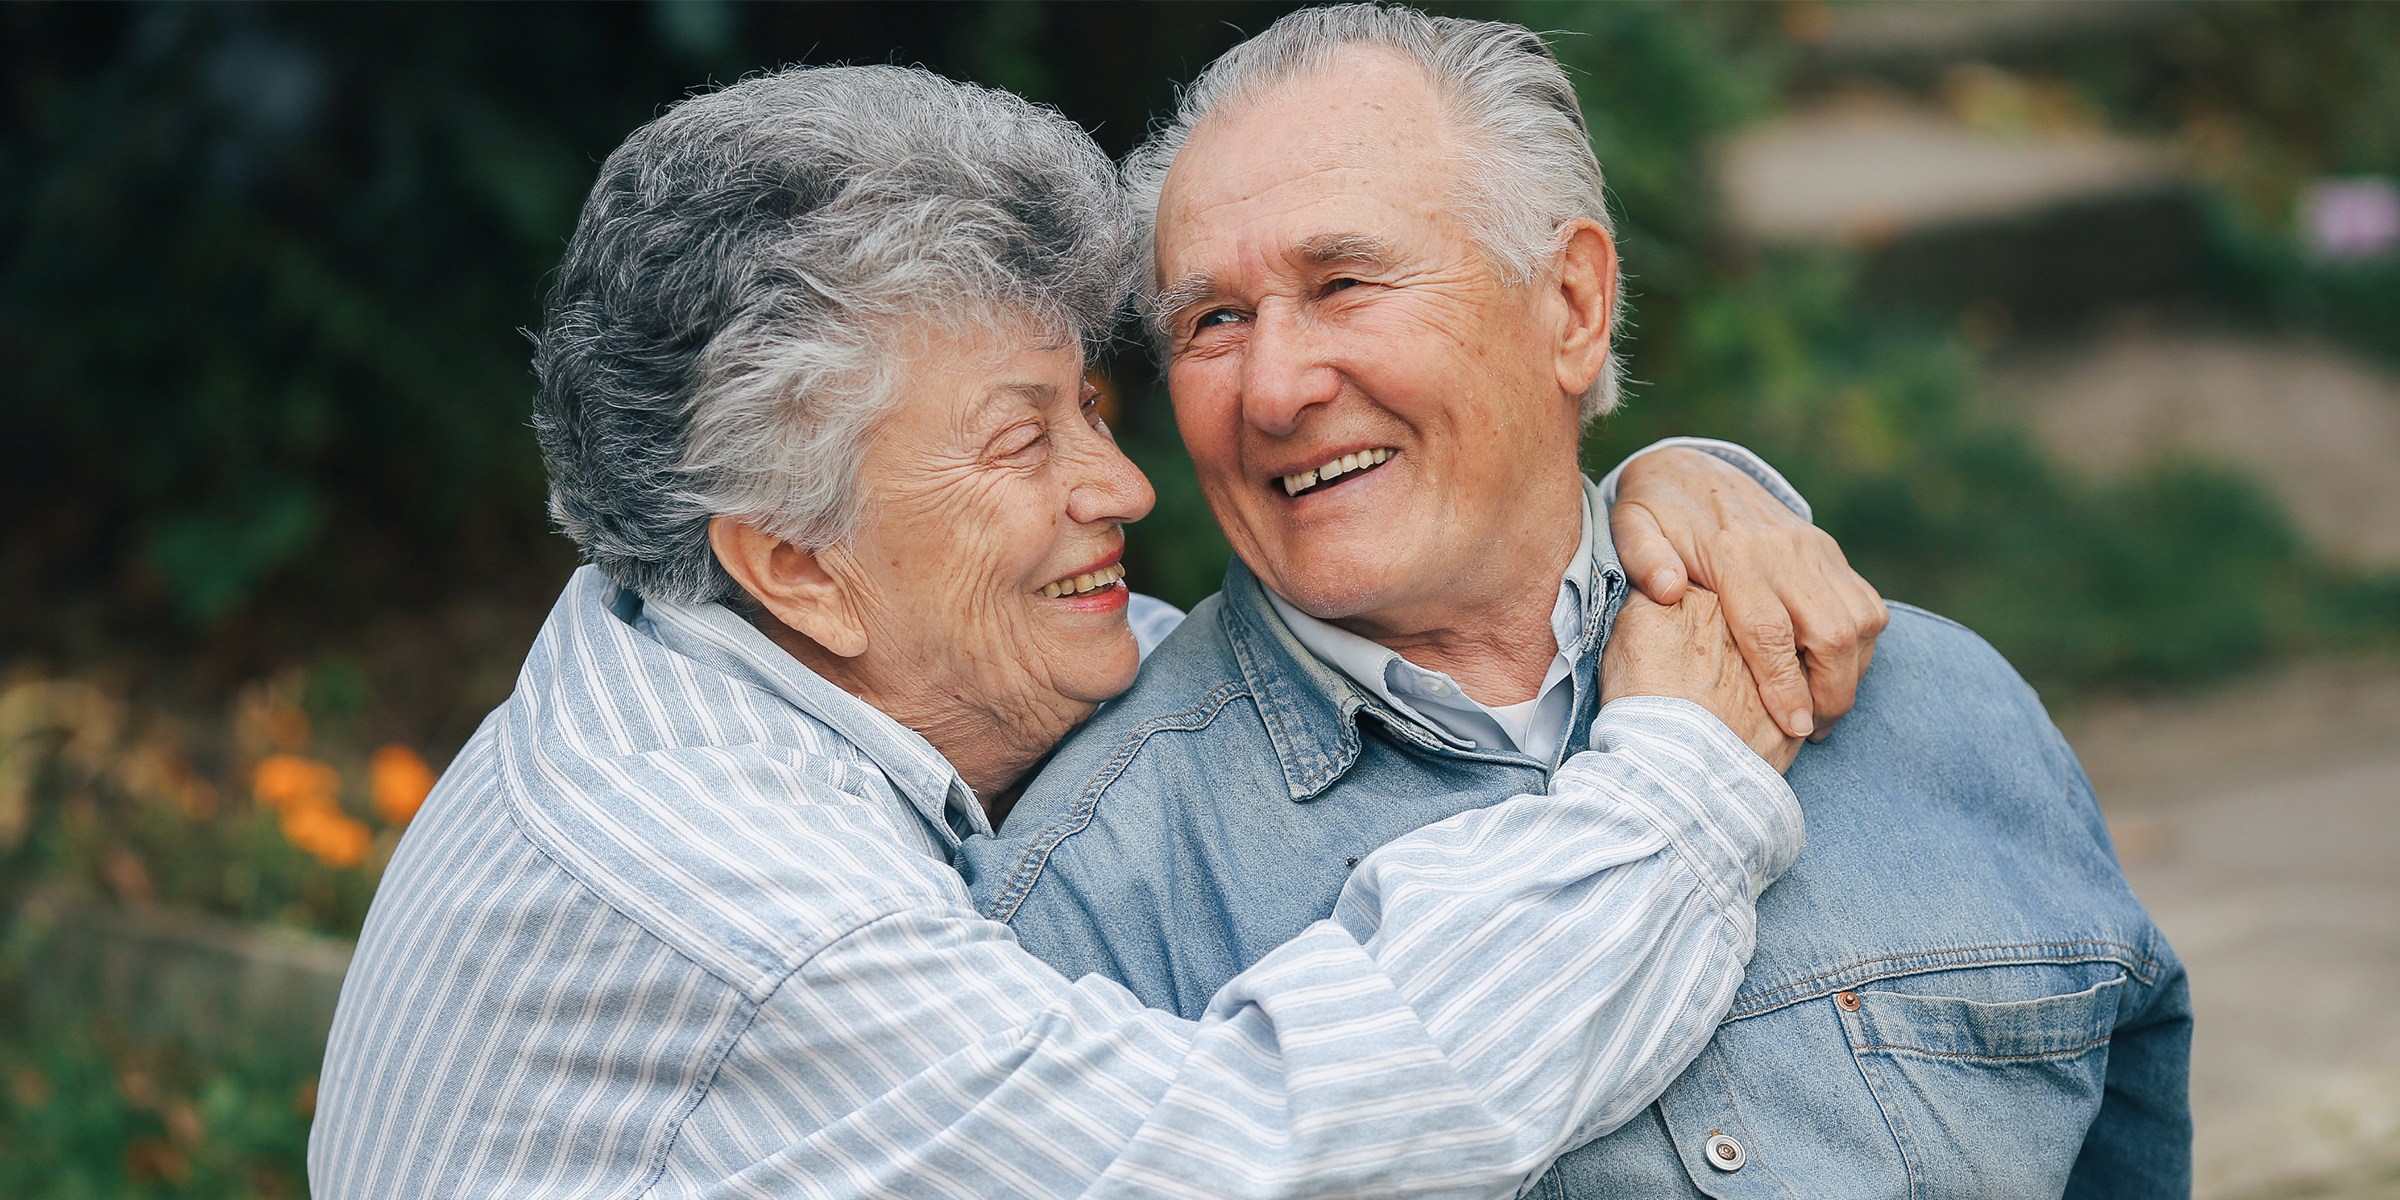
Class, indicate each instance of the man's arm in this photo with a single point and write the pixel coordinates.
(1488, 992)
(2141, 1143)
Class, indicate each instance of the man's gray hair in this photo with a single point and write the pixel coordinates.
(1526, 166)
(726, 327)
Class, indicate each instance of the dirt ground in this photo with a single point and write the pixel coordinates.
(2258, 823)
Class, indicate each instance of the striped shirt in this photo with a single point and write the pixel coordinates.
(681, 920)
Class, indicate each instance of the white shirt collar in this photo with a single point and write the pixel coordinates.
(1435, 701)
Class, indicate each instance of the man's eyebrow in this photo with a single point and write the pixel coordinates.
(1182, 294)
(1362, 249)
(1324, 250)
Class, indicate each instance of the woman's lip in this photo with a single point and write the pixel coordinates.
(1107, 599)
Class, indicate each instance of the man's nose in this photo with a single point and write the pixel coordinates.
(1283, 370)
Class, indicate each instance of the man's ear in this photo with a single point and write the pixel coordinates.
(1586, 279)
(791, 583)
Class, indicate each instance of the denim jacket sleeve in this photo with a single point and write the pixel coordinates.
(2141, 1143)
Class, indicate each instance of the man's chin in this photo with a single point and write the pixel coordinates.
(1350, 584)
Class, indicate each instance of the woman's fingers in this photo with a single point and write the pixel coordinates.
(1650, 560)
(1685, 651)
(1805, 623)
(1837, 631)
(1763, 628)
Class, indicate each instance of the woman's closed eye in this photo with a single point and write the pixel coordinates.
(1022, 443)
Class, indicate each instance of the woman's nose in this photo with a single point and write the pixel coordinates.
(1283, 372)
(1107, 486)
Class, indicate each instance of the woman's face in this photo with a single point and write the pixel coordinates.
(985, 566)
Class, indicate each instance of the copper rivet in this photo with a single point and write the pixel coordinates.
(1848, 1001)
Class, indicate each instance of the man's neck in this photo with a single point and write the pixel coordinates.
(1494, 637)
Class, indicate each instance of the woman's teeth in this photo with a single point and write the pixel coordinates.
(1104, 577)
(1293, 485)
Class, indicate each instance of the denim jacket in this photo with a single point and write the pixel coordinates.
(1954, 993)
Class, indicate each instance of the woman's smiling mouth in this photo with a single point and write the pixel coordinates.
(1085, 583)
(1335, 468)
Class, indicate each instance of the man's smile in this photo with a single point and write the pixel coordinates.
(1323, 476)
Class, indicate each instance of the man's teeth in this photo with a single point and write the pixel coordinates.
(1104, 577)
(1293, 485)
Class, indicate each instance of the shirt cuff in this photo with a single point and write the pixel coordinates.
(1740, 456)
(1733, 817)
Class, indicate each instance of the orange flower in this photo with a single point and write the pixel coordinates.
(288, 783)
(326, 832)
(401, 781)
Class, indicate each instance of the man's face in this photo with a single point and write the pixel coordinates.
(1326, 304)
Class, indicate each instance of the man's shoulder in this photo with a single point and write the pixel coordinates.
(1928, 658)
(1188, 683)
(1098, 815)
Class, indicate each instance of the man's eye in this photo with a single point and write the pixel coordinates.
(1214, 317)
(1340, 285)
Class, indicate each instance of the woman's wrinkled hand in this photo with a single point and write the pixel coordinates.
(1686, 651)
(1804, 621)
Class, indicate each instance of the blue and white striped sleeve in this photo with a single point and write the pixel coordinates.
(1490, 991)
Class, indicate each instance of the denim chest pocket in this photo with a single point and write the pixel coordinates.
(1986, 1094)
(1973, 1083)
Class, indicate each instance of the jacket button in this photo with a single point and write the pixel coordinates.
(1724, 1153)
(1848, 1001)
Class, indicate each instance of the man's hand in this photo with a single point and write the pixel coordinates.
(1805, 622)
(1686, 652)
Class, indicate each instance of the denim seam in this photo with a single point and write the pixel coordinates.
(1037, 853)
(1928, 961)
(2067, 1052)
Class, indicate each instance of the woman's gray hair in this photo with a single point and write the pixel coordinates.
(1527, 166)
(726, 328)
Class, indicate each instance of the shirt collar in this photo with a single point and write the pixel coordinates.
(715, 637)
(1431, 697)
(1309, 702)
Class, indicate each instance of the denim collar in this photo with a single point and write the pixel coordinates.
(1311, 710)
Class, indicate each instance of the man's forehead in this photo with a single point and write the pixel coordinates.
(1377, 128)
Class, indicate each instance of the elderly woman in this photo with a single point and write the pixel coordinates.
(682, 918)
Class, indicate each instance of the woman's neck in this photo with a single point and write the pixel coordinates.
(992, 746)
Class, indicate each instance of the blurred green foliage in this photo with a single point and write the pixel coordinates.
(2184, 570)
(88, 1113)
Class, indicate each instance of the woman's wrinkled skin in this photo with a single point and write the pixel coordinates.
(993, 477)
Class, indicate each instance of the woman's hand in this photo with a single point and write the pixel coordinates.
(1685, 652)
(1804, 621)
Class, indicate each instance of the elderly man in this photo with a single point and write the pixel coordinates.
(1385, 289)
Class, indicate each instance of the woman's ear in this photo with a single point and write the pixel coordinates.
(791, 584)
(1586, 278)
